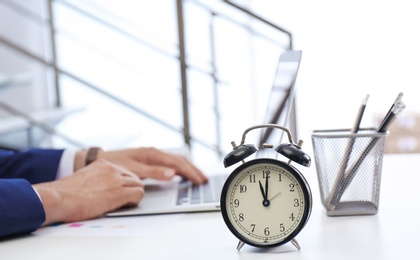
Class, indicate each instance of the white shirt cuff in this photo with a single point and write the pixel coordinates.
(39, 196)
(66, 166)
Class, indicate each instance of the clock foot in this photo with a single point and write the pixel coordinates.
(295, 243)
(240, 245)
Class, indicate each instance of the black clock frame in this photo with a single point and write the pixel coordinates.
(298, 176)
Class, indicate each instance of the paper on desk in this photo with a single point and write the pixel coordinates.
(120, 226)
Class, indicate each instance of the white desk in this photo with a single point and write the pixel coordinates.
(391, 234)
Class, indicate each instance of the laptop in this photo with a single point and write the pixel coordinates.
(180, 195)
(280, 106)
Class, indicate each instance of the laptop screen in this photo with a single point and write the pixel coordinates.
(280, 103)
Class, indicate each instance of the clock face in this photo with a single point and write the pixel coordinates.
(266, 202)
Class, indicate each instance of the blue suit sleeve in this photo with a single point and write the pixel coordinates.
(34, 165)
(21, 210)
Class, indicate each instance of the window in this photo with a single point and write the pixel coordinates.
(119, 64)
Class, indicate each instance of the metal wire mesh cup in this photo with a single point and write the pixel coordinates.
(349, 170)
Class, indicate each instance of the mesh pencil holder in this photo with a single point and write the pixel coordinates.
(349, 170)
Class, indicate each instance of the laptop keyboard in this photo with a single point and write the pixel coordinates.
(189, 193)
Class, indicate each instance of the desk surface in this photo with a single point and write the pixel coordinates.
(391, 234)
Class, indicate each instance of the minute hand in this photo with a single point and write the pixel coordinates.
(266, 188)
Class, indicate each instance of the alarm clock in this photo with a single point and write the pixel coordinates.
(266, 202)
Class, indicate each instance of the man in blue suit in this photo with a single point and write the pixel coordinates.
(44, 186)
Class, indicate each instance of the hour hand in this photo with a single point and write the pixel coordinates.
(265, 202)
(262, 191)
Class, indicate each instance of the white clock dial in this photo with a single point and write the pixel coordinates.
(266, 202)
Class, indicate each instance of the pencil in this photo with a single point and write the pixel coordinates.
(386, 123)
(349, 175)
(332, 198)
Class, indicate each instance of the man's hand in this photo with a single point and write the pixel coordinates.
(90, 192)
(153, 163)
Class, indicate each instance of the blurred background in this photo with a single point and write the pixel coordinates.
(195, 73)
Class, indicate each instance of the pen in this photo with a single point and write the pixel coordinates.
(383, 127)
(396, 109)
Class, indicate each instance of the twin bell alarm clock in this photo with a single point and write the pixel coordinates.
(266, 202)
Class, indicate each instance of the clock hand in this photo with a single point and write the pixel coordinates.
(266, 188)
(275, 195)
(262, 190)
(265, 202)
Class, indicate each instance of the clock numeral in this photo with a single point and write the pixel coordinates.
(266, 174)
(252, 228)
(242, 188)
(292, 217)
(282, 228)
(266, 231)
(279, 176)
(241, 217)
(236, 203)
(292, 187)
(296, 203)
(252, 178)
